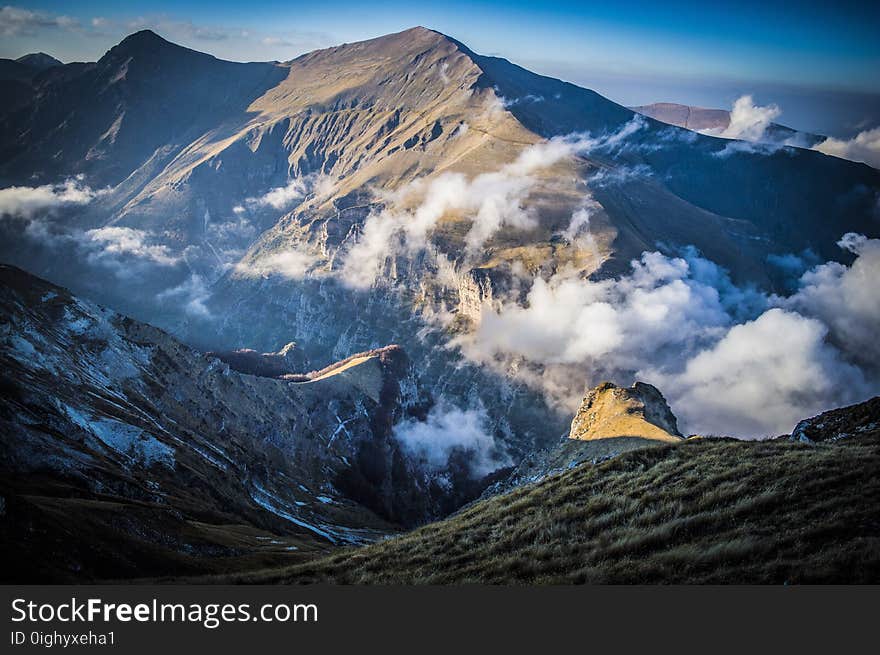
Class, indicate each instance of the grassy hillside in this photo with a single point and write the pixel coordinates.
(705, 511)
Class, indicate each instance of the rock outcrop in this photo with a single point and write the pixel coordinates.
(611, 420)
(639, 411)
(289, 360)
(843, 423)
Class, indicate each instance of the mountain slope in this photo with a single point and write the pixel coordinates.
(168, 461)
(705, 511)
(107, 118)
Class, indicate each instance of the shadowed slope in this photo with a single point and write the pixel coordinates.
(705, 511)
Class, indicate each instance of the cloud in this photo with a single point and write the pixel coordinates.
(291, 263)
(275, 41)
(580, 223)
(283, 196)
(317, 185)
(116, 241)
(570, 320)
(757, 148)
(529, 98)
(754, 382)
(730, 359)
(15, 21)
(750, 124)
(864, 147)
(39, 215)
(748, 121)
(491, 201)
(447, 430)
(227, 41)
(192, 294)
(846, 298)
(28, 202)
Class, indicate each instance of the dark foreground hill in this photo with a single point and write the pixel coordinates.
(702, 511)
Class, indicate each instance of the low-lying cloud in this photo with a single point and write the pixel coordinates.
(290, 263)
(192, 295)
(864, 147)
(751, 127)
(114, 240)
(748, 121)
(30, 202)
(282, 197)
(731, 360)
(447, 430)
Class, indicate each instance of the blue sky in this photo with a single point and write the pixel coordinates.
(819, 61)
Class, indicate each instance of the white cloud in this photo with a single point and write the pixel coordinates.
(763, 376)
(570, 320)
(15, 21)
(283, 196)
(448, 429)
(846, 298)
(28, 202)
(864, 147)
(731, 360)
(290, 263)
(115, 240)
(192, 294)
(580, 223)
(317, 185)
(748, 121)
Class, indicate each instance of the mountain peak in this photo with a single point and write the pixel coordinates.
(142, 40)
(39, 60)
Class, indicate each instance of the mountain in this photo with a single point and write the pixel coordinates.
(17, 78)
(126, 453)
(686, 116)
(107, 119)
(612, 412)
(225, 200)
(288, 361)
(39, 61)
(704, 511)
(700, 119)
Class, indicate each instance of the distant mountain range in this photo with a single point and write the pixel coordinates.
(701, 119)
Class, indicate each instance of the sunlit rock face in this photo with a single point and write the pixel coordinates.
(609, 411)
